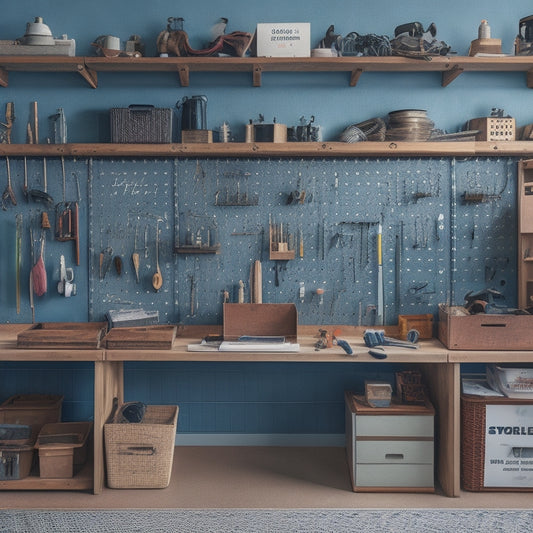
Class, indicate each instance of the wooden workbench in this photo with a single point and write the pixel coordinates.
(440, 367)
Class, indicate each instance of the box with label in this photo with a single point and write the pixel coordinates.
(496, 443)
(284, 39)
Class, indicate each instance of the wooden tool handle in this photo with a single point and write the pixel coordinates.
(35, 124)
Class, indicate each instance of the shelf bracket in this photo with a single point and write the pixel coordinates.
(4, 77)
(449, 75)
(529, 78)
(355, 75)
(258, 70)
(183, 72)
(90, 75)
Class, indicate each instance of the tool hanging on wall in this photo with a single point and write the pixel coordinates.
(9, 194)
(40, 285)
(157, 278)
(67, 219)
(135, 256)
(380, 306)
(105, 259)
(256, 283)
(18, 252)
(32, 304)
(65, 286)
(38, 195)
(8, 124)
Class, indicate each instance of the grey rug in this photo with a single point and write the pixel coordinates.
(267, 521)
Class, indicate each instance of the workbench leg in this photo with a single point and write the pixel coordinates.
(108, 384)
(444, 382)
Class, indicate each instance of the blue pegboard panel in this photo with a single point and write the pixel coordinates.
(131, 211)
(449, 226)
(485, 228)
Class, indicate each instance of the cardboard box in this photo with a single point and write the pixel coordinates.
(62, 448)
(36, 410)
(284, 39)
(459, 330)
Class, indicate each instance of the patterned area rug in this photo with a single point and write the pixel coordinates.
(267, 521)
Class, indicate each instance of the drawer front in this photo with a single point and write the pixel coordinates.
(393, 475)
(394, 452)
(394, 426)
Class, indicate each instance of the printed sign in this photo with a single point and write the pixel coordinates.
(509, 446)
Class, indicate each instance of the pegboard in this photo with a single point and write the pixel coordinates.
(449, 227)
(131, 210)
(337, 221)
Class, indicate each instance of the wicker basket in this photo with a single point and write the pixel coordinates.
(141, 124)
(473, 430)
(139, 456)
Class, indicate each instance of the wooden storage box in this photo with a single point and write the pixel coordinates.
(62, 448)
(496, 456)
(141, 338)
(140, 455)
(493, 128)
(35, 410)
(459, 330)
(197, 136)
(389, 449)
(260, 320)
(422, 323)
(62, 336)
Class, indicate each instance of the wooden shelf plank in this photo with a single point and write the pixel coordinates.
(449, 66)
(291, 149)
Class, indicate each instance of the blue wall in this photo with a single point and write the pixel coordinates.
(225, 398)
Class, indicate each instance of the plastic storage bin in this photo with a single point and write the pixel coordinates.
(16, 451)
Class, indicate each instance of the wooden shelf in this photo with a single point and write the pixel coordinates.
(292, 149)
(83, 480)
(449, 66)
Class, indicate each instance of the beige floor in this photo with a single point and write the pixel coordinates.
(257, 477)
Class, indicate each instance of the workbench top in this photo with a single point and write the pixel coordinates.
(429, 351)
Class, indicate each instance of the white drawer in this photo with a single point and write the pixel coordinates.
(393, 426)
(394, 452)
(393, 476)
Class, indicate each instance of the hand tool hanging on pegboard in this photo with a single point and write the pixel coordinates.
(67, 219)
(9, 194)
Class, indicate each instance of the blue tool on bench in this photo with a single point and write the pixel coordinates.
(376, 337)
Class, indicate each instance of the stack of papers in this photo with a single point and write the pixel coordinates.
(247, 344)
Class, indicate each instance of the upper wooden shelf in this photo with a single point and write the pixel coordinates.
(291, 149)
(88, 67)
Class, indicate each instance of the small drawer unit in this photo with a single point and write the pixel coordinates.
(390, 449)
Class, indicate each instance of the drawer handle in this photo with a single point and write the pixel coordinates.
(397, 456)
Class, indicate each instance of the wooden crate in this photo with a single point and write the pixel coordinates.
(62, 336)
(459, 331)
(141, 338)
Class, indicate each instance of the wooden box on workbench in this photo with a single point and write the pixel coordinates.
(260, 320)
(459, 330)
